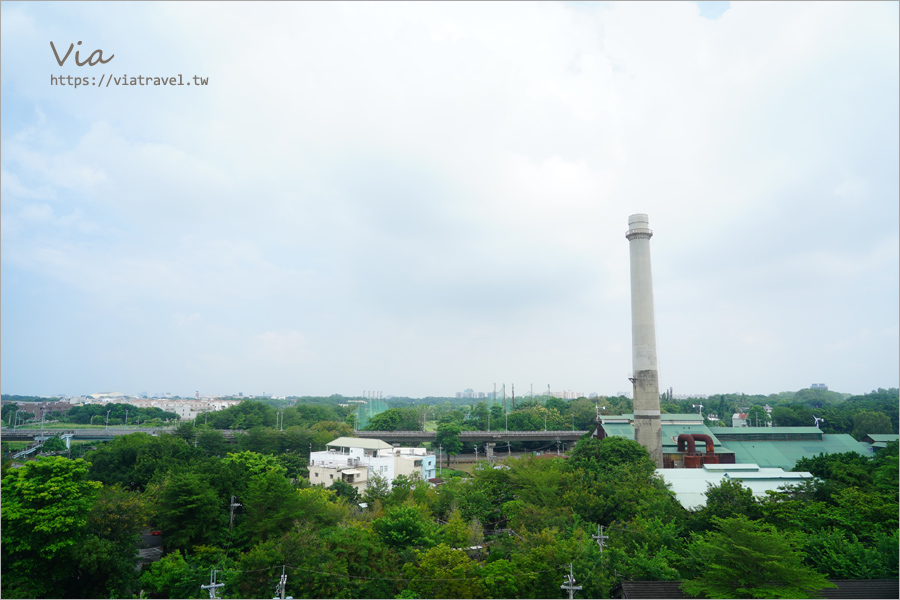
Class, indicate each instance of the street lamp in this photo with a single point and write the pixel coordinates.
(126, 417)
(107, 418)
(92, 420)
(16, 420)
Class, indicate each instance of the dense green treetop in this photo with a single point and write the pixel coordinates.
(749, 559)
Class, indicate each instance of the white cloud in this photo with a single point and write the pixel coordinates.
(456, 181)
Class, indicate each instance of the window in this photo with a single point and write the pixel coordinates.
(331, 475)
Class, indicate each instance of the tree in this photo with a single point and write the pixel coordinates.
(172, 577)
(44, 517)
(185, 431)
(443, 573)
(8, 412)
(609, 454)
(344, 490)
(118, 514)
(404, 526)
(271, 506)
(748, 559)
(447, 439)
(377, 489)
(212, 441)
(869, 422)
(757, 416)
(189, 511)
(396, 419)
(137, 458)
(727, 499)
(53, 444)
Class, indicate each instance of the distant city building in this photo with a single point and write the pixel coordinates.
(567, 395)
(819, 386)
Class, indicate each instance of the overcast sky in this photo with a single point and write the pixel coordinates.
(419, 198)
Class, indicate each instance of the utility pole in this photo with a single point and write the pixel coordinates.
(213, 587)
(569, 584)
(234, 504)
(107, 418)
(601, 539)
(126, 417)
(476, 454)
(282, 583)
(514, 396)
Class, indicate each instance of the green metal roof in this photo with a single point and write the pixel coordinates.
(765, 430)
(663, 417)
(670, 433)
(785, 454)
(884, 437)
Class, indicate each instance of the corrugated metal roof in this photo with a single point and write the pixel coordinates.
(670, 433)
(364, 443)
(785, 454)
(690, 485)
(884, 437)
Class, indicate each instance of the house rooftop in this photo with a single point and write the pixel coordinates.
(364, 443)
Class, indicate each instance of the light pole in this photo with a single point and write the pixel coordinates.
(126, 417)
(16, 420)
(476, 454)
(91, 423)
(107, 418)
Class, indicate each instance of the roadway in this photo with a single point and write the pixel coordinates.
(391, 437)
(472, 437)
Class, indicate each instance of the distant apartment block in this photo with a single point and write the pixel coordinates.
(818, 386)
(186, 409)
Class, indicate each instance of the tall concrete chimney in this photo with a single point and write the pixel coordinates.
(647, 431)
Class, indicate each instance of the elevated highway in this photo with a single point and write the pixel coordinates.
(99, 435)
(391, 437)
(476, 437)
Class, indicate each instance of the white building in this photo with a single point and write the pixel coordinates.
(356, 461)
(739, 420)
(690, 485)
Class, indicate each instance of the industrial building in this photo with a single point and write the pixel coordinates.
(766, 447)
(690, 485)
